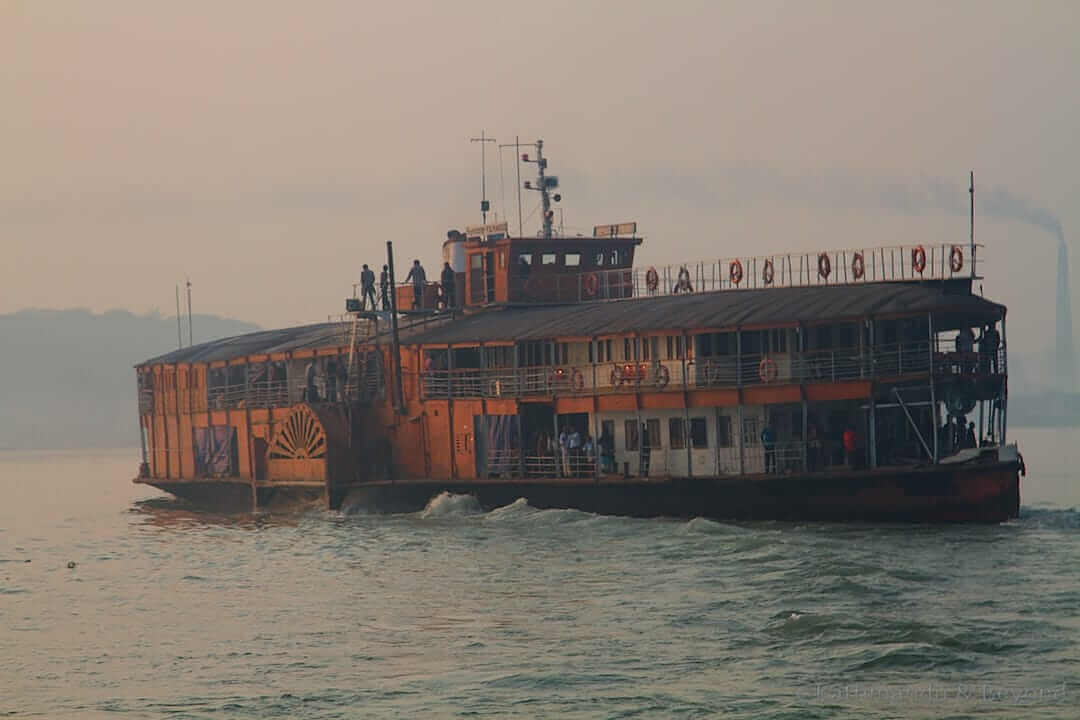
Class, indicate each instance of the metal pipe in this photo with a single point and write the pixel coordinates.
(399, 393)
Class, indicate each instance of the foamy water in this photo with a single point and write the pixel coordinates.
(518, 612)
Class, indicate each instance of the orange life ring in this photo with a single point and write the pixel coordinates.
(956, 259)
(592, 284)
(767, 369)
(652, 279)
(735, 271)
(824, 265)
(918, 259)
(767, 272)
(858, 266)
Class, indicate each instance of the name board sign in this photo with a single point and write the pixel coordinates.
(629, 228)
(492, 231)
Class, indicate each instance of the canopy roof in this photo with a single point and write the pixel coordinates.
(951, 302)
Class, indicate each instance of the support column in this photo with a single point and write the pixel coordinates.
(686, 408)
(739, 407)
(1004, 381)
(873, 429)
(933, 397)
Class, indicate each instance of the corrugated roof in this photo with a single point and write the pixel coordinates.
(724, 309)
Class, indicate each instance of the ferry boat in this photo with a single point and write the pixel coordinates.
(808, 386)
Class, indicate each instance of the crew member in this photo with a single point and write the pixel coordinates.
(768, 441)
(418, 277)
(850, 445)
(367, 287)
(449, 279)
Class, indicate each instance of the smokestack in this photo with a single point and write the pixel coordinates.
(1064, 350)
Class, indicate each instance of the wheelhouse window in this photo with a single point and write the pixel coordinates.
(549, 259)
(572, 259)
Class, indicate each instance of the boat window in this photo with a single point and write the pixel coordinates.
(573, 259)
(630, 430)
(549, 259)
(699, 434)
(653, 427)
(598, 258)
(476, 261)
(676, 434)
(723, 431)
(750, 431)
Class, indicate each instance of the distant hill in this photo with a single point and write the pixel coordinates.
(67, 377)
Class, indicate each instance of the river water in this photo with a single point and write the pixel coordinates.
(304, 613)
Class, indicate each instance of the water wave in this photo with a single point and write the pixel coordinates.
(449, 505)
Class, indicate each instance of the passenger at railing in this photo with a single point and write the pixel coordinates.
(564, 452)
(682, 284)
(524, 266)
(573, 444)
(588, 454)
(851, 444)
(418, 278)
(367, 287)
(989, 342)
(448, 280)
(768, 441)
(384, 287)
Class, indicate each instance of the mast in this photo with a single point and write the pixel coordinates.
(544, 183)
(484, 205)
(179, 335)
(190, 335)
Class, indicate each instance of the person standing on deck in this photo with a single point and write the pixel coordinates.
(418, 278)
(573, 442)
(384, 287)
(989, 342)
(768, 441)
(449, 279)
(851, 444)
(588, 454)
(367, 287)
(564, 452)
(607, 453)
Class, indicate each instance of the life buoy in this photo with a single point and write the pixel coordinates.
(663, 376)
(767, 272)
(824, 265)
(918, 259)
(858, 266)
(735, 272)
(592, 284)
(652, 279)
(577, 380)
(956, 259)
(767, 369)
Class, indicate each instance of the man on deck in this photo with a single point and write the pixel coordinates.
(449, 279)
(367, 287)
(418, 278)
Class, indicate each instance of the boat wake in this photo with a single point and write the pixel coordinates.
(449, 505)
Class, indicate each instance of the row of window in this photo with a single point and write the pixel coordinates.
(618, 257)
(677, 433)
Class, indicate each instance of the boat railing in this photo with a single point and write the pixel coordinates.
(853, 266)
(812, 366)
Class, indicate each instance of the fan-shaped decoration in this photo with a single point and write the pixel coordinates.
(300, 437)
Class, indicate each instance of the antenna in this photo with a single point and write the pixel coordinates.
(190, 336)
(484, 205)
(517, 154)
(179, 337)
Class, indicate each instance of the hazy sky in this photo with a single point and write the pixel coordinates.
(268, 149)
